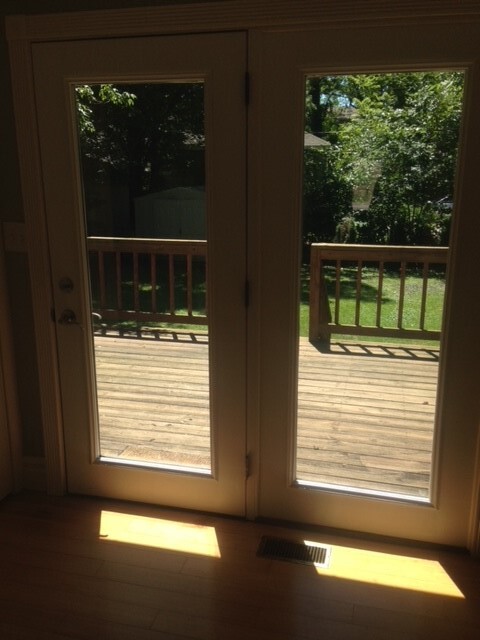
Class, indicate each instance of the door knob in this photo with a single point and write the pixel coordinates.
(67, 317)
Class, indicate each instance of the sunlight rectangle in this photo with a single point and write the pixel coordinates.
(159, 533)
(390, 570)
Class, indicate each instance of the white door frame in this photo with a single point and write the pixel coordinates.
(217, 60)
(361, 50)
(208, 17)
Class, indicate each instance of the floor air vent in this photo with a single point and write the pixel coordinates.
(306, 552)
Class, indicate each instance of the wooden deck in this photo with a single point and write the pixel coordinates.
(365, 414)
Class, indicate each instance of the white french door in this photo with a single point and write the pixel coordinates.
(143, 158)
(304, 473)
(230, 408)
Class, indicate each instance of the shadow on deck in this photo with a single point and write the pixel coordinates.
(365, 416)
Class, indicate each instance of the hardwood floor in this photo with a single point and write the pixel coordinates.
(86, 568)
(365, 414)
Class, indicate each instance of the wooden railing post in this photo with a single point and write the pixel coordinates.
(151, 249)
(314, 295)
(319, 308)
(325, 315)
(322, 323)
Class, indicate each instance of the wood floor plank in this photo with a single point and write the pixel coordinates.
(62, 580)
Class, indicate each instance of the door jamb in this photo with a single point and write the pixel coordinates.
(39, 262)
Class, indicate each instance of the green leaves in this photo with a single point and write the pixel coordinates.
(137, 139)
(396, 136)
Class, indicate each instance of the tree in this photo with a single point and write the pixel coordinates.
(326, 193)
(396, 136)
(134, 140)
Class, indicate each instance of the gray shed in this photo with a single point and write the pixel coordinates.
(177, 213)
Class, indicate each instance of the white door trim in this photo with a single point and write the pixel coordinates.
(234, 15)
(278, 207)
(218, 60)
(39, 263)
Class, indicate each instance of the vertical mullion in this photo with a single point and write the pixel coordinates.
(381, 267)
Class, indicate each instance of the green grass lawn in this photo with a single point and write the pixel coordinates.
(348, 286)
(390, 298)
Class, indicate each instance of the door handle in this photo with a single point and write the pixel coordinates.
(67, 317)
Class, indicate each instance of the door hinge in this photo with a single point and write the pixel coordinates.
(247, 294)
(248, 464)
(247, 88)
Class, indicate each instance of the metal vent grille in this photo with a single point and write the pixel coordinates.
(301, 552)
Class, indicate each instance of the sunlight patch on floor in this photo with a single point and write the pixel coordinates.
(389, 570)
(156, 532)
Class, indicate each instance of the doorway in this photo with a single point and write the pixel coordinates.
(144, 173)
(380, 159)
(305, 474)
(255, 377)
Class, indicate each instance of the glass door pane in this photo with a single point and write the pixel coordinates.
(142, 149)
(380, 154)
(143, 161)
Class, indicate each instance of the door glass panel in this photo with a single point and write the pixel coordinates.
(379, 163)
(142, 151)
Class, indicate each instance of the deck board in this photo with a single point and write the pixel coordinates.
(365, 413)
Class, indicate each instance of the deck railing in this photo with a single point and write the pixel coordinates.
(144, 280)
(329, 262)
